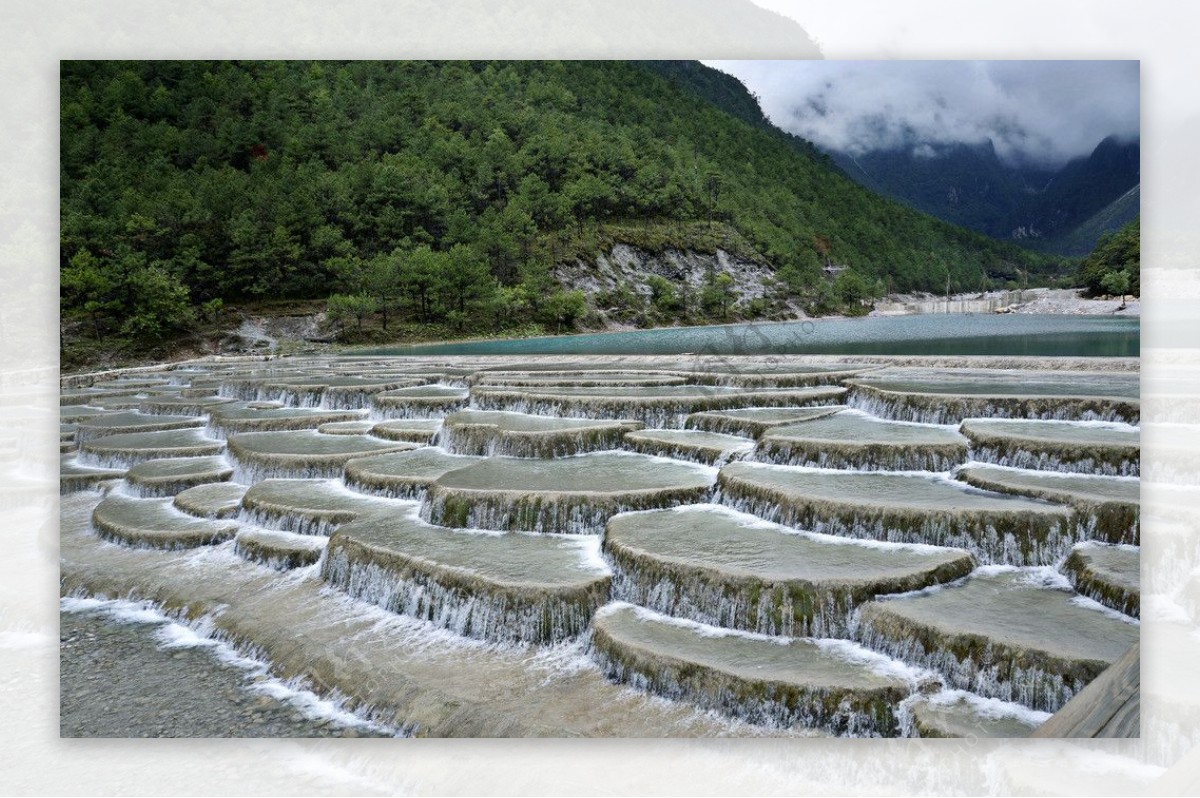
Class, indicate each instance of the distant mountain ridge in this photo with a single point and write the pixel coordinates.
(1111, 217)
(1063, 211)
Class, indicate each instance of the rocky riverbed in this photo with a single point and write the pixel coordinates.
(130, 672)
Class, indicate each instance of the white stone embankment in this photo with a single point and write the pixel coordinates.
(1034, 300)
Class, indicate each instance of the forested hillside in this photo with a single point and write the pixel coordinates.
(445, 192)
(1114, 266)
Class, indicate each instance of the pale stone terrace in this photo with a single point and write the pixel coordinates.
(542, 533)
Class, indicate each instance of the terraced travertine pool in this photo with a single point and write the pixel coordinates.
(629, 546)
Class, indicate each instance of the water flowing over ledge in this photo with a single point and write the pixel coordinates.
(635, 546)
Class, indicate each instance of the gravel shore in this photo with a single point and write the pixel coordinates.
(117, 680)
(1067, 300)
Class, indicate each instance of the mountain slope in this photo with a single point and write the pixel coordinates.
(964, 184)
(1061, 211)
(1080, 190)
(447, 190)
(1109, 219)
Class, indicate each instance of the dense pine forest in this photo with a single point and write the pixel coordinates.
(442, 194)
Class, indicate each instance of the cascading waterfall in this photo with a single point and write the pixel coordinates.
(764, 616)
(484, 440)
(279, 551)
(495, 615)
(652, 416)
(776, 611)
(298, 523)
(1014, 541)
(1048, 461)
(950, 409)
(989, 673)
(891, 458)
(562, 514)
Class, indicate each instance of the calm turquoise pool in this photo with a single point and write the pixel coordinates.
(951, 334)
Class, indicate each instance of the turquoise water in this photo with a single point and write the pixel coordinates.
(949, 334)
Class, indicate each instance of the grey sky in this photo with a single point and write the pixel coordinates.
(1040, 111)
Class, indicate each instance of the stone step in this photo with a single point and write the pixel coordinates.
(310, 506)
(497, 432)
(765, 374)
(713, 565)
(903, 508)
(655, 406)
(710, 448)
(773, 681)
(302, 453)
(75, 476)
(343, 392)
(511, 587)
(241, 417)
(89, 396)
(421, 401)
(127, 421)
(852, 439)
(402, 475)
(947, 396)
(129, 383)
(1109, 574)
(347, 428)
(169, 476)
(752, 422)
(1015, 634)
(128, 449)
(77, 413)
(577, 379)
(182, 405)
(214, 500)
(963, 715)
(413, 430)
(1110, 507)
(282, 551)
(156, 524)
(570, 495)
(1108, 449)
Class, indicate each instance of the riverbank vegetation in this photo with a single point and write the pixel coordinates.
(1114, 267)
(445, 193)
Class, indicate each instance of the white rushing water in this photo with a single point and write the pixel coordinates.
(531, 616)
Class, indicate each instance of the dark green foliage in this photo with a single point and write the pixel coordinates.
(444, 192)
(850, 288)
(721, 89)
(1114, 267)
(342, 307)
(563, 308)
(663, 295)
(718, 295)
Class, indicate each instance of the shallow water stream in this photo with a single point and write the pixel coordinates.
(635, 546)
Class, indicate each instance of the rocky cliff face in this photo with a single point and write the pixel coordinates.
(631, 266)
(264, 333)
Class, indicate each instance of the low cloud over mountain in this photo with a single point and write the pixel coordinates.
(1035, 113)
